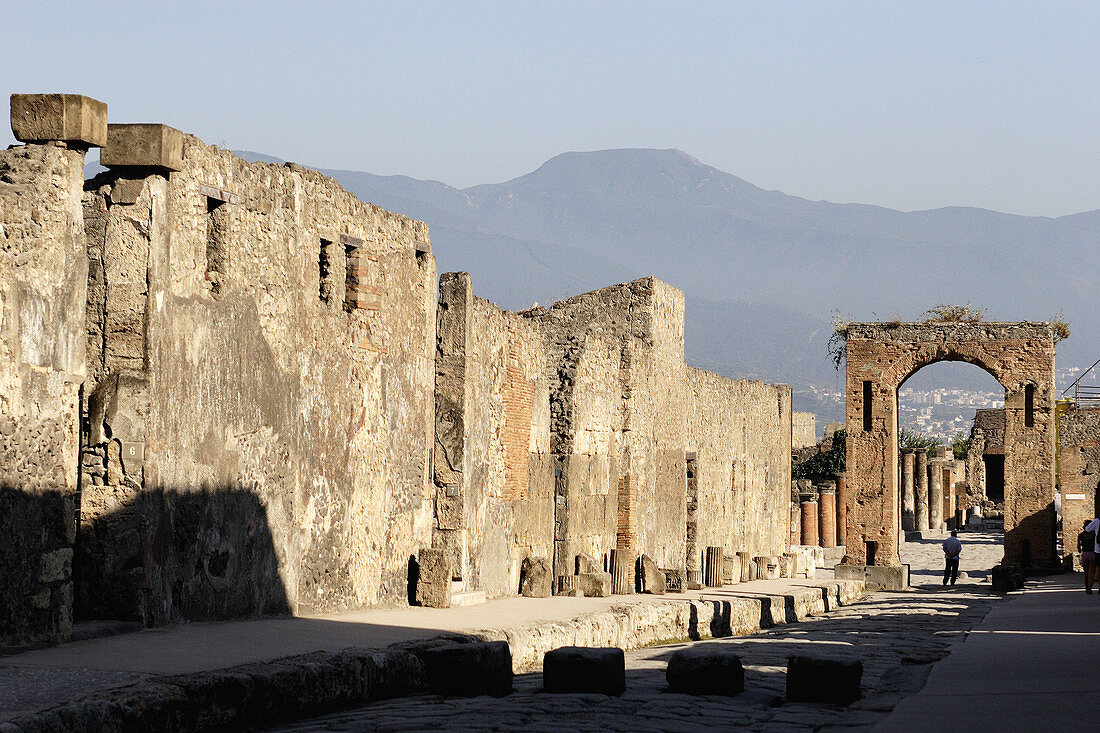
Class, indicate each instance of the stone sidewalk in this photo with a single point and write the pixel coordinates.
(34, 680)
(898, 636)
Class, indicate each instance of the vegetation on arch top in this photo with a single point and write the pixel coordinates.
(942, 313)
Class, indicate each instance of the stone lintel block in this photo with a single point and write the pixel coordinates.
(468, 670)
(705, 669)
(584, 669)
(875, 577)
(73, 118)
(143, 146)
(818, 679)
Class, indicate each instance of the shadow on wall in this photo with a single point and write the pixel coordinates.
(172, 556)
(36, 535)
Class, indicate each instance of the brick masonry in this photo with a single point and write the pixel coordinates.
(880, 357)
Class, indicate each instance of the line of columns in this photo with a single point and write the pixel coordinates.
(821, 512)
(929, 501)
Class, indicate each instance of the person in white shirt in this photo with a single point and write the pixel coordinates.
(952, 548)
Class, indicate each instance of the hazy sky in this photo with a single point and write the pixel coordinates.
(908, 105)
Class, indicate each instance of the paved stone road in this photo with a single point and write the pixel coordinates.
(897, 635)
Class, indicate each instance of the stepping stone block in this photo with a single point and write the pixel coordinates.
(653, 580)
(830, 681)
(584, 669)
(468, 670)
(705, 670)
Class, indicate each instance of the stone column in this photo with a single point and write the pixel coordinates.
(908, 497)
(935, 499)
(826, 514)
(948, 496)
(841, 509)
(809, 519)
(622, 570)
(796, 521)
(921, 499)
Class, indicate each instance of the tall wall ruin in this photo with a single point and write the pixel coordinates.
(232, 389)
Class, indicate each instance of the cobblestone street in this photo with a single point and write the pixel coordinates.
(898, 636)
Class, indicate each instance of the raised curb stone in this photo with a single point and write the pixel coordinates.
(584, 669)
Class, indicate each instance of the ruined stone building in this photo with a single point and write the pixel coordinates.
(230, 389)
(1078, 467)
(985, 457)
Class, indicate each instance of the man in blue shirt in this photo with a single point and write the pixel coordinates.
(951, 551)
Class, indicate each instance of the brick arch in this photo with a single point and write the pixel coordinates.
(881, 357)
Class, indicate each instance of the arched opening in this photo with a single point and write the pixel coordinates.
(887, 356)
(948, 464)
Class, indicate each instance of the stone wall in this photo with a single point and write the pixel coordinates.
(618, 402)
(803, 430)
(1079, 469)
(494, 474)
(232, 389)
(738, 430)
(260, 404)
(43, 273)
(880, 357)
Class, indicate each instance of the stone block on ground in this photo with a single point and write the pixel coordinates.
(586, 564)
(674, 580)
(875, 577)
(584, 669)
(652, 579)
(767, 567)
(536, 578)
(731, 569)
(143, 145)
(823, 680)
(73, 118)
(593, 585)
(433, 586)
(468, 670)
(705, 669)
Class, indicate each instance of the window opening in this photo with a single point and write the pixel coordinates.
(324, 271)
(217, 230)
(1029, 406)
(866, 407)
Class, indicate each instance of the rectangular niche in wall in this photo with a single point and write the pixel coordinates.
(325, 265)
(217, 256)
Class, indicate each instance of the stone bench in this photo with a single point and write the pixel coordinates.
(584, 669)
(706, 669)
(817, 679)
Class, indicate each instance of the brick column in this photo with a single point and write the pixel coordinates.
(935, 499)
(921, 498)
(826, 513)
(908, 497)
(841, 509)
(809, 520)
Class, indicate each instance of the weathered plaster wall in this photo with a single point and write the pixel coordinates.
(494, 473)
(282, 399)
(43, 273)
(740, 431)
(1079, 469)
(618, 418)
